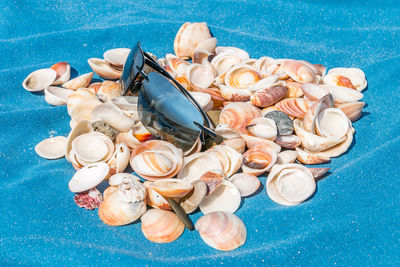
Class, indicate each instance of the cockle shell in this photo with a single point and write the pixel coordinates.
(39, 79)
(236, 143)
(102, 69)
(195, 165)
(290, 184)
(355, 75)
(353, 110)
(299, 71)
(226, 197)
(238, 115)
(294, 90)
(306, 157)
(313, 92)
(288, 141)
(332, 122)
(161, 226)
(212, 179)
(200, 76)
(269, 96)
(109, 114)
(177, 65)
(171, 187)
(263, 128)
(156, 159)
(223, 62)
(296, 107)
(287, 156)
(192, 200)
(188, 37)
(242, 77)
(247, 184)
(63, 70)
(52, 148)
(222, 230)
(116, 57)
(57, 96)
(312, 113)
(79, 82)
(109, 90)
(88, 177)
(343, 94)
(258, 159)
(313, 142)
(79, 96)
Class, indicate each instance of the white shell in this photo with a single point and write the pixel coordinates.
(247, 184)
(103, 70)
(263, 128)
(343, 94)
(127, 104)
(243, 55)
(224, 61)
(63, 70)
(79, 82)
(200, 76)
(39, 79)
(52, 148)
(89, 147)
(225, 198)
(88, 177)
(332, 122)
(356, 76)
(195, 165)
(116, 57)
(204, 100)
(117, 178)
(57, 96)
(287, 156)
(112, 116)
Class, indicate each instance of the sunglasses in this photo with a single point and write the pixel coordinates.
(165, 107)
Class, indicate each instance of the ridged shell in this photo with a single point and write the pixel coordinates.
(268, 97)
(222, 230)
(103, 70)
(226, 197)
(299, 71)
(258, 159)
(63, 70)
(39, 79)
(161, 226)
(353, 110)
(79, 82)
(309, 157)
(52, 148)
(188, 37)
(296, 107)
(247, 184)
(234, 94)
(238, 115)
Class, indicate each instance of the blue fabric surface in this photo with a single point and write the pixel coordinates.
(353, 219)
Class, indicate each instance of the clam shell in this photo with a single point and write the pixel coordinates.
(204, 100)
(247, 184)
(161, 226)
(195, 165)
(200, 76)
(340, 148)
(243, 55)
(127, 104)
(177, 65)
(201, 56)
(288, 141)
(236, 143)
(140, 132)
(88, 177)
(79, 82)
(258, 159)
(39, 79)
(52, 148)
(212, 179)
(310, 158)
(189, 36)
(120, 159)
(290, 184)
(56, 96)
(235, 95)
(216, 96)
(184, 82)
(94, 87)
(226, 197)
(355, 75)
(118, 178)
(155, 199)
(63, 70)
(203, 50)
(238, 115)
(81, 127)
(318, 172)
(332, 122)
(294, 90)
(263, 128)
(128, 138)
(353, 110)
(79, 96)
(252, 141)
(242, 77)
(103, 70)
(222, 230)
(336, 79)
(226, 131)
(312, 113)
(299, 71)
(90, 147)
(296, 107)
(343, 94)
(287, 156)
(268, 97)
(112, 116)
(109, 90)
(83, 110)
(171, 187)
(313, 92)
(223, 62)
(230, 159)
(116, 57)
(192, 200)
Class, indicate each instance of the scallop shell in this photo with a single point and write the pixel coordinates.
(195, 165)
(103, 70)
(294, 90)
(192, 200)
(290, 184)
(79, 82)
(112, 116)
(355, 75)
(177, 65)
(116, 57)
(263, 128)
(238, 115)
(268, 97)
(236, 143)
(288, 141)
(109, 90)
(258, 159)
(296, 107)
(63, 70)
(52, 148)
(247, 184)
(222, 230)
(353, 110)
(287, 156)
(189, 36)
(332, 122)
(171, 187)
(299, 71)
(88, 177)
(57, 96)
(39, 79)
(226, 197)
(310, 158)
(161, 226)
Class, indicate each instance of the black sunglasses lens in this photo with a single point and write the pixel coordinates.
(167, 113)
(134, 63)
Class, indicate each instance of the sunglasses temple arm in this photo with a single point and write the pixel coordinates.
(205, 129)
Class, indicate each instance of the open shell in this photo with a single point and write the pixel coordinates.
(353, 110)
(102, 69)
(88, 177)
(258, 159)
(296, 107)
(299, 71)
(52, 148)
(355, 75)
(230, 159)
(242, 77)
(238, 115)
(313, 92)
(263, 128)
(177, 65)
(288, 141)
(120, 159)
(155, 199)
(287, 156)
(223, 62)
(212, 179)
(306, 157)
(79, 82)
(312, 113)
(116, 57)
(112, 116)
(236, 143)
(57, 96)
(39, 79)
(226, 197)
(200, 76)
(79, 96)
(109, 90)
(195, 165)
(80, 128)
(343, 94)
(294, 90)
(171, 187)
(63, 70)
(192, 200)
(332, 122)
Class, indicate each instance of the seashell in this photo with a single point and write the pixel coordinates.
(195, 165)
(116, 57)
(310, 158)
(177, 65)
(120, 159)
(201, 56)
(226, 197)
(250, 61)
(199, 76)
(94, 87)
(238, 115)
(192, 200)
(128, 138)
(83, 110)
(267, 110)
(258, 159)
(247, 184)
(155, 200)
(236, 143)
(109, 114)
(243, 55)
(203, 50)
(171, 187)
(118, 178)
(296, 107)
(103, 70)
(212, 179)
(263, 128)
(299, 71)
(184, 82)
(268, 97)
(294, 90)
(242, 77)
(128, 105)
(287, 156)
(52, 148)
(313, 92)
(89, 200)
(88, 177)
(195, 149)
(141, 133)
(288, 141)
(343, 94)
(161, 226)
(90, 148)
(318, 172)
(189, 36)
(262, 65)
(332, 122)
(235, 95)
(312, 142)
(312, 113)
(230, 159)
(223, 62)
(80, 128)
(63, 70)
(109, 90)
(123, 204)
(283, 123)
(252, 141)
(156, 159)
(355, 75)
(226, 131)
(321, 69)
(79, 82)
(131, 190)
(222, 230)
(340, 148)
(290, 184)
(265, 83)
(79, 96)
(39, 79)
(216, 96)
(353, 110)
(335, 79)
(57, 96)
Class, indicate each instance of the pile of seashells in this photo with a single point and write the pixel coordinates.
(269, 113)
